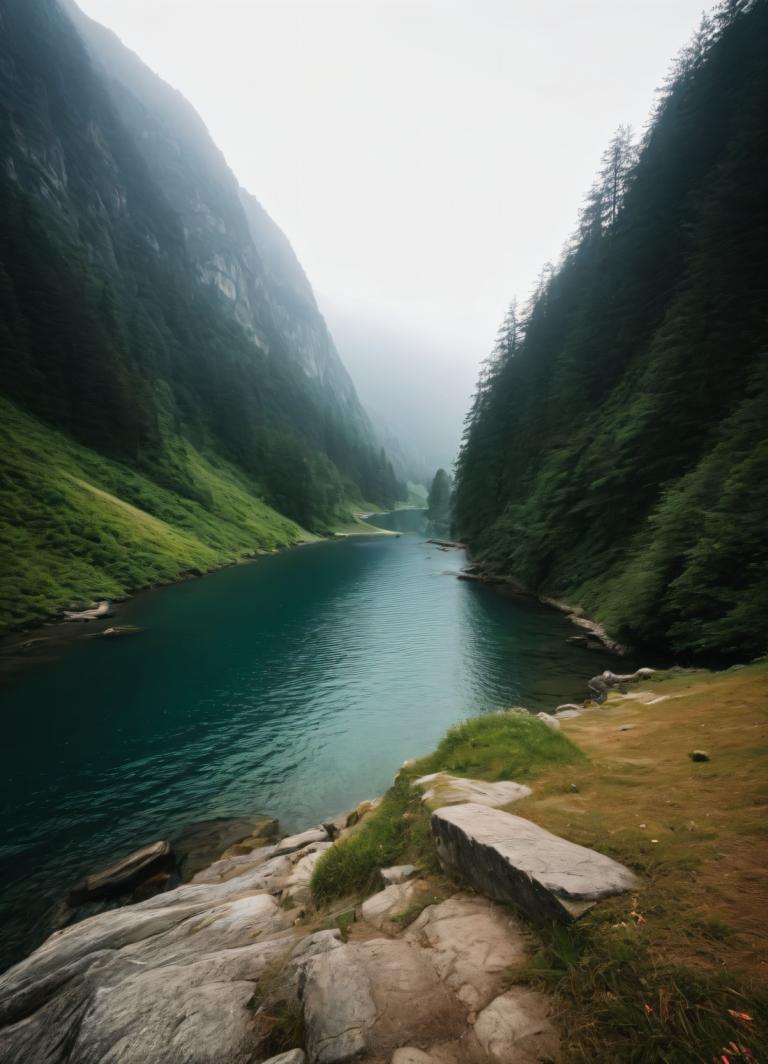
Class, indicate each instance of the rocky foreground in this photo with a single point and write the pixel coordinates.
(235, 963)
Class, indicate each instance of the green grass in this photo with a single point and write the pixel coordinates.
(621, 1005)
(76, 525)
(508, 746)
(399, 827)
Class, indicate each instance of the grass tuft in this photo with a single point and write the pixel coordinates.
(498, 746)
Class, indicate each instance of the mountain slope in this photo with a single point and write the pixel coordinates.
(617, 450)
(76, 525)
(149, 307)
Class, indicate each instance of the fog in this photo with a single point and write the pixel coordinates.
(425, 157)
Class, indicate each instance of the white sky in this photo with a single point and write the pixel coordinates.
(424, 157)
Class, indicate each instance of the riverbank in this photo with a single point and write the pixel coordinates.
(675, 970)
(36, 642)
(297, 942)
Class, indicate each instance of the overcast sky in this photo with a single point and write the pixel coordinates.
(425, 157)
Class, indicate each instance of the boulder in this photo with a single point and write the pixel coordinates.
(380, 909)
(511, 859)
(373, 997)
(440, 788)
(124, 875)
(548, 719)
(293, 1056)
(397, 874)
(568, 714)
(473, 943)
(516, 1029)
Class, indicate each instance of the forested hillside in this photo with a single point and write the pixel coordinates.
(151, 310)
(617, 450)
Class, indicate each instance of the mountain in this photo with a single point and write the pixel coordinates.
(616, 453)
(156, 328)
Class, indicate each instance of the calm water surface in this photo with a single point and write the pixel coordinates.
(295, 686)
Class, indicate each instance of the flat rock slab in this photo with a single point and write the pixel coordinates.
(473, 943)
(510, 859)
(440, 788)
(293, 1056)
(372, 997)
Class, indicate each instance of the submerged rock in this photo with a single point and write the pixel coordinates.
(197, 845)
(510, 859)
(124, 875)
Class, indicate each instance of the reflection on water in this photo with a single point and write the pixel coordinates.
(294, 686)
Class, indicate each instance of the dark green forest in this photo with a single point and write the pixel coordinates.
(148, 306)
(107, 332)
(616, 452)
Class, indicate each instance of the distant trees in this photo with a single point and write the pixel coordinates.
(439, 501)
(605, 456)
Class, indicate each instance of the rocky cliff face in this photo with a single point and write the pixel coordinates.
(181, 305)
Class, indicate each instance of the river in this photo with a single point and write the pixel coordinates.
(294, 685)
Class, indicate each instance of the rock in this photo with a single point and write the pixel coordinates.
(373, 997)
(120, 630)
(409, 1055)
(473, 943)
(95, 613)
(627, 727)
(338, 824)
(441, 789)
(380, 909)
(272, 870)
(293, 1056)
(516, 1029)
(510, 859)
(698, 755)
(398, 873)
(156, 884)
(198, 844)
(599, 686)
(124, 875)
(296, 890)
(298, 842)
(570, 705)
(568, 714)
(549, 720)
(168, 979)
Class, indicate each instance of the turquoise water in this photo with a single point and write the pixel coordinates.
(294, 685)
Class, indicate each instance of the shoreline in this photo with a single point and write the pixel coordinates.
(477, 572)
(33, 644)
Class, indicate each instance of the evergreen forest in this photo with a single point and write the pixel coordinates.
(616, 452)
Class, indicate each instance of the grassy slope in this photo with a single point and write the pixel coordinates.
(651, 977)
(76, 525)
